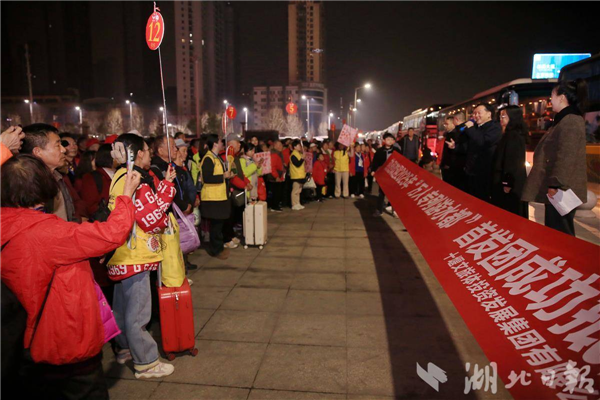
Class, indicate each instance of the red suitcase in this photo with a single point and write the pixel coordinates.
(177, 320)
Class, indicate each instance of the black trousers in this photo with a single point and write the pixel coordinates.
(479, 186)
(287, 192)
(84, 380)
(217, 240)
(330, 184)
(563, 224)
(380, 201)
(277, 193)
(357, 185)
(320, 194)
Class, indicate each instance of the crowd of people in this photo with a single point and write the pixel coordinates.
(87, 222)
(485, 156)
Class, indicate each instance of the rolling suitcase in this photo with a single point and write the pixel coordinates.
(255, 225)
(176, 319)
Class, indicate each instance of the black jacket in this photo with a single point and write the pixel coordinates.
(481, 142)
(453, 158)
(186, 190)
(381, 156)
(509, 161)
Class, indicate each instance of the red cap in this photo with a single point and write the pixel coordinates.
(91, 142)
(110, 139)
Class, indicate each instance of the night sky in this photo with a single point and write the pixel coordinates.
(416, 54)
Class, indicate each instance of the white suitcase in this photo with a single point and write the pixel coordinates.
(255, 224)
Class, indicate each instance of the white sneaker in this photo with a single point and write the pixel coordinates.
(352, 196)
(159, 371)
(190, 282)
(396, 215)
(388, 209)
(123, 356)
(297, 207)
(235, 240)
(302, 207)
(362, 196)
(231, 245)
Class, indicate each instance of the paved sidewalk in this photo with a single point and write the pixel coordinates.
(338, 305)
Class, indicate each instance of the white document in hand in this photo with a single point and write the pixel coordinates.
(565, 201)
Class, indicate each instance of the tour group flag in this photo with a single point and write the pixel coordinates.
(308, 162)
(529, 294)
(347, 135)
(266, 157)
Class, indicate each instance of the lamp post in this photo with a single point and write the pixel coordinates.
(226, 103)
(130, 114)
(80, 119)
(357, 100)
(246, 116)
(30, 109)
(329, 120)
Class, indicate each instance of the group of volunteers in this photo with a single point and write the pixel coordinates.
(83, 222)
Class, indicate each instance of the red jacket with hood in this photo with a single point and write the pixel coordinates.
(71, 328)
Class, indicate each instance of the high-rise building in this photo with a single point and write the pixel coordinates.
(306, 57)
(306, 38)
(205, 48)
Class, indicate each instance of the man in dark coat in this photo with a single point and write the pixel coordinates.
(381, 156)
(480, 139)
(453, 160)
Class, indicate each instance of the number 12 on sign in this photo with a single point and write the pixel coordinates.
(155, 30)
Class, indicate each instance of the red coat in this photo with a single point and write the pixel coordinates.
(319, 172)
(366, 164)
(287, 152)
(71, 329)
(277, 168)
(89, 190)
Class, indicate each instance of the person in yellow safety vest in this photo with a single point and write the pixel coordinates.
(215, 205)
(342, 169)
(297, 174)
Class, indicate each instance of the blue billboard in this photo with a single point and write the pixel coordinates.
(548, 66)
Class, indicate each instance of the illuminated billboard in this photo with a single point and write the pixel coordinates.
(548, 66)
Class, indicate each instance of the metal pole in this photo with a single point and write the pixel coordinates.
(29, 82)
(197, 94)
(81, 120)
(355, 103)
(246, 111)
(307, 117)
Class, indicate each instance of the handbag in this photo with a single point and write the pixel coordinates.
(310, 184)
(188, 236)
(111, 329)
(173, 266)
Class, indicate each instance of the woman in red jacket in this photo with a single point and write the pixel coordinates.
(44, 263)
(95, 185)
(320, 176)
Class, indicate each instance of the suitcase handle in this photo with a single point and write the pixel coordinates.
(160, 274)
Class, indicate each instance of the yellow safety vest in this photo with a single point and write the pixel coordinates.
(342, 161)
(213, 191)
(144, 248)
(297, 172)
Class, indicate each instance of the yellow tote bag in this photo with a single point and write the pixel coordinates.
(173, 266)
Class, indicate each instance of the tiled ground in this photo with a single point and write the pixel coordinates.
(338, 305)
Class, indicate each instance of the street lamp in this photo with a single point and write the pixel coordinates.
(329, 120)
(226, 103)
(356, 99)
(30, 109)
(246, 118)
(130, 114)
(80, 119)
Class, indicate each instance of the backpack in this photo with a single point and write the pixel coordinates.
(102, 213)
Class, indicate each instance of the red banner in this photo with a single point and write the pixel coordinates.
(529, 294)
(266, 158)
(347, 135)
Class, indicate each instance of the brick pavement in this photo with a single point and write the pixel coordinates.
(338, 305)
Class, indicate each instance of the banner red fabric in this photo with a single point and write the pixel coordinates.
(529, 294)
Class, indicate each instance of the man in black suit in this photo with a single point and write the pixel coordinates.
(453, 159)
(381, 156)
(480, 139)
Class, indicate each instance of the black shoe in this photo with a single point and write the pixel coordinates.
(190, 267)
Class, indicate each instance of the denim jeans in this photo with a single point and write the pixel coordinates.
(132, 307)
